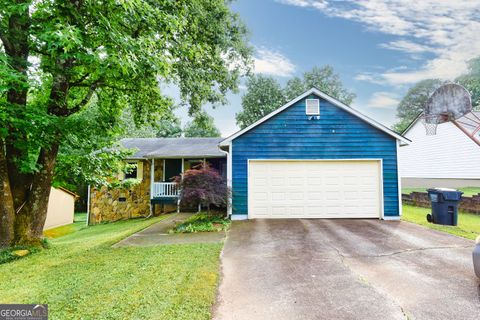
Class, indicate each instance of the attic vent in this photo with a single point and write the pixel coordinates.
(312, 107)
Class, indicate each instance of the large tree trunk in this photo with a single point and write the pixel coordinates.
(13, 184)
(30, 218)
(7, 209)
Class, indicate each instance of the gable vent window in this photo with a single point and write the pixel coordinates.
(312, 107)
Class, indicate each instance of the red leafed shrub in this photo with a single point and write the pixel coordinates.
(203, 185)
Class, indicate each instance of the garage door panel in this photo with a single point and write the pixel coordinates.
(314, 189)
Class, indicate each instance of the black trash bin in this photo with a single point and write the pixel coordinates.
(444, 205)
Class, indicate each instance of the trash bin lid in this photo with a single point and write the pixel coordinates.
(447, 193)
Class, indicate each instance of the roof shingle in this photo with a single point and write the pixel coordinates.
(173, 147)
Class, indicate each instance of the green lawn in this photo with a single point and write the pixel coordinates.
(468, 224)
(467, 191)
(79, 222)
(82, 277)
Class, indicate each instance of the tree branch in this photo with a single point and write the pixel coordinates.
(6, 43)
(85, 99)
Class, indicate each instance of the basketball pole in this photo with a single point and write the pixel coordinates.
(470, 135)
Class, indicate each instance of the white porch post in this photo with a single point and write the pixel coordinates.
(181, 176)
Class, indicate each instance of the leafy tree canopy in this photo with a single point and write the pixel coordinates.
(471, 81)
(202, 125)
(413, 103)
(69, 68)
(324, 79)
(264, 94)
(166, 127)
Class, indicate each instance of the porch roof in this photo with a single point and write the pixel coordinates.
(147, 148)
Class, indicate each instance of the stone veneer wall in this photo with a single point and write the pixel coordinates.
(105, 205)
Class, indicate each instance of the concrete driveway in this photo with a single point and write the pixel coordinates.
(345, 269)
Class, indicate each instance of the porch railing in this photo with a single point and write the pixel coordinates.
(165, 189)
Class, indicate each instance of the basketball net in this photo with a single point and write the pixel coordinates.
(430, 122)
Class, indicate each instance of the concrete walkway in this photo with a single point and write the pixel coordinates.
(345, 269)
(157, 234)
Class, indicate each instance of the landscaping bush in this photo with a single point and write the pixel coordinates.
(203, 222)
(203, 186)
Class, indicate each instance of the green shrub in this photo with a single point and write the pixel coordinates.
(203, 222)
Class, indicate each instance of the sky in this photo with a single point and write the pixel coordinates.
(380, 48)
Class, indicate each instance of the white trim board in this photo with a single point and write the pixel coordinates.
(391, 218)
(380, 175)
(324, 96)
(237, 217)
(399, 182)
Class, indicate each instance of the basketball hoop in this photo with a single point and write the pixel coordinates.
(451, 103)
(431, 121)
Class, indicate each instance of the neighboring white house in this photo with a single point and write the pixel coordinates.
(448, 159)
(61, 207)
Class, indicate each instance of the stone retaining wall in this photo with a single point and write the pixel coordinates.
(420, 199)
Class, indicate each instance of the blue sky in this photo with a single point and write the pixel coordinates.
(379, 47)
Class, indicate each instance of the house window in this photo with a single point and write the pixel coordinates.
(132, 171)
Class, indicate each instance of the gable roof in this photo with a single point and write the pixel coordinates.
(147, 148)
(324, 96)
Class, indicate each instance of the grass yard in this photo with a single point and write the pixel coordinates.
(79, 222)
(467, 191)
(468, 224)
(82, 277)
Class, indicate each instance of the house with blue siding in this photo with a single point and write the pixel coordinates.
(314, 157)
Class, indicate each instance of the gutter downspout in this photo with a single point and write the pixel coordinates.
(229, 177)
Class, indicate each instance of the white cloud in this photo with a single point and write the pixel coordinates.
(406, 46)
(369, 77)
(318, 4)
(383, 100)
(448, 29)
(272, 63)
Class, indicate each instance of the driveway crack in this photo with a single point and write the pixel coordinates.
(406, 251)
(365, 281)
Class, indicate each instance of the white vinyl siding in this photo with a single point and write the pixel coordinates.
(450, 154)
(314, 189)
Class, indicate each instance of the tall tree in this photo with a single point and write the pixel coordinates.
(170, 128)
(202, 125)
(264, 94)
(471, 81)
(413, 103)
(324, 79)
(109, 53)
(166, 126)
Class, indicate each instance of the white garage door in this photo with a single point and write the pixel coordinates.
(314, 189)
